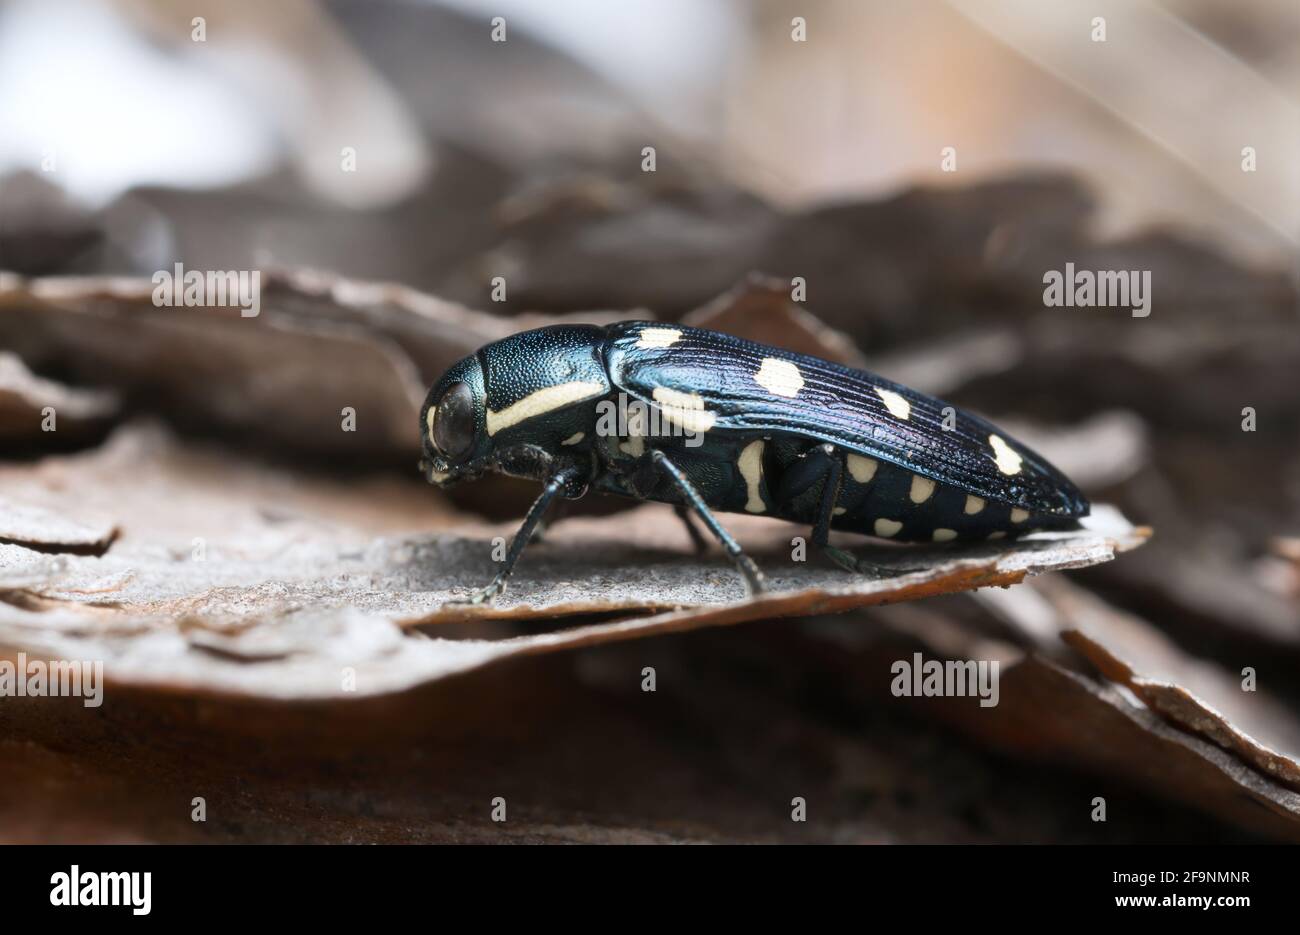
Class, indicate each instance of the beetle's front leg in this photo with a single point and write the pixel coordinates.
(558, 483)
(754, 583)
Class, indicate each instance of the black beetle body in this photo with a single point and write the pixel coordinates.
(713, 423)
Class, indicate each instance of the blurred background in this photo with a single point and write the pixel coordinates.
(921, 165)
(144, 127)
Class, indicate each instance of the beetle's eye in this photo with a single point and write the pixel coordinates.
(453, 425)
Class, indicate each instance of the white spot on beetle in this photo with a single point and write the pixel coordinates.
(973, 504)
(684, 409)
(838, 511)
(945, 535)
(634, 445)
(780, 377)
(922, 488)
(428, 420)
(1007, 460)
(658, 337)
(997, 535)
(896, 404)
(886, 527)
(547, 399)
(751, 468)
(574, 438)
(862, 469)
(1018, 515)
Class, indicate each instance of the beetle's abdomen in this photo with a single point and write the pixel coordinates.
(765, 476)
(879, 498)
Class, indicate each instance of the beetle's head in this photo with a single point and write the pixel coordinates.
(513, 405)
(453, 432)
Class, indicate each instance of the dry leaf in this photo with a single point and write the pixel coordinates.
(1192, 713)
(319, 345)
(221, 561)
(1048, 713)
(26, 398)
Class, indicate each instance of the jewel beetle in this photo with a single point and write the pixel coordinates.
(711, 423)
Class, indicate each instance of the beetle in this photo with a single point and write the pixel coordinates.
(712, 423)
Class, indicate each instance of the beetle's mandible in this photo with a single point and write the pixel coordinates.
(715, 424)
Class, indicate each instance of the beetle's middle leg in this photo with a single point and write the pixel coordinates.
(748, 570)
(697, 538)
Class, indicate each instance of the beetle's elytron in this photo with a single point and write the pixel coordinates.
(738, 428)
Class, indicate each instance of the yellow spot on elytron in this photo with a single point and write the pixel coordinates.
(428, 420)
(944, 535)
(779, 376)
(658, 337)
(997, 535)
(1018, 515)
(887, 527)
(751, 468)
(896, 404)
(574, 438)
(862, 469)
(1008, 461)
(838, 511)
(545, 400)
(684, 409)
(922, 487)
(973, 504)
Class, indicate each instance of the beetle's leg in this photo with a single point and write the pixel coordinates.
(803, 473)
(697, 538)
(753, 577)
(830, 464)
(547, 522)
(825, 461)
(834, 483)
(554, 486)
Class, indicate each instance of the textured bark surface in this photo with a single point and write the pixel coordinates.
(228, 577)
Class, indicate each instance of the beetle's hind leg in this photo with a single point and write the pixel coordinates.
(754, 583)
(825, 461)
